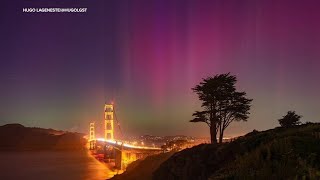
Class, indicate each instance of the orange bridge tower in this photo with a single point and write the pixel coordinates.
(108, 119)
(92, 133)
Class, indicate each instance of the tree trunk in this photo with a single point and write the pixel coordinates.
(221, 136)
(213, 134)
(220, 131)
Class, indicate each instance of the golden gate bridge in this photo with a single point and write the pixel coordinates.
(120, 152)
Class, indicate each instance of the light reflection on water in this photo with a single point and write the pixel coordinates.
(52, 165)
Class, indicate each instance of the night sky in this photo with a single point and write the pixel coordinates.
(57, 70)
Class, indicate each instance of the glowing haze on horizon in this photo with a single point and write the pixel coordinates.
(57, 70)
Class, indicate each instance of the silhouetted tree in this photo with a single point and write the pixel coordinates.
(290, 119)
(221, 103)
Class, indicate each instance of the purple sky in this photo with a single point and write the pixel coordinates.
(58, 69)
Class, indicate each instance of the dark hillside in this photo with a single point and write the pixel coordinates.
(280, 153)
(277, 154)
(18, 137)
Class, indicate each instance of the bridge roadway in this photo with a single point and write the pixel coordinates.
(119, 144)
(124, 153)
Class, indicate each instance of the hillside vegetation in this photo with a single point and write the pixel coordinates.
(280, 153)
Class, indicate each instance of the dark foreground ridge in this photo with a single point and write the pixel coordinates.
(18, 137)
(280, 153)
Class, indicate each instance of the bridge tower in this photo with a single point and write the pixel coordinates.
(108, 119)
(92, 133)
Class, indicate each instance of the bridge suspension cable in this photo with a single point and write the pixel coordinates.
(118, 123)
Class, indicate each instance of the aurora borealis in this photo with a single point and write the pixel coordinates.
(57, 70)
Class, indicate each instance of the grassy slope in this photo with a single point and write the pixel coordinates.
(278, 153)
(273, 154)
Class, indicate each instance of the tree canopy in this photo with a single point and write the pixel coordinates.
(290, 119)
(221, 103)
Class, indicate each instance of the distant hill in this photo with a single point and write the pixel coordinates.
(278, 153)
(18, 137)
